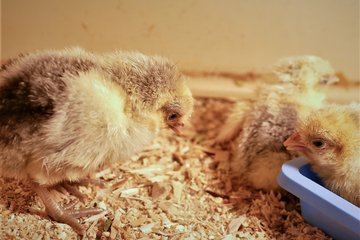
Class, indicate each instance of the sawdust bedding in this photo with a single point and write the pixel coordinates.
(178, 188)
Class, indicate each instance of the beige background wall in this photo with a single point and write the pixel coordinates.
(229, 35)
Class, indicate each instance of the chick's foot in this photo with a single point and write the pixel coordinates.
(68, 214)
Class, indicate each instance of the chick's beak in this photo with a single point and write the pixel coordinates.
(294, 143)
(176, 127)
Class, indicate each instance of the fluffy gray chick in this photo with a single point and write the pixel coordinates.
(65, 113)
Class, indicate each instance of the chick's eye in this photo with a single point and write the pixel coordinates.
(318, 143)
(172, 116)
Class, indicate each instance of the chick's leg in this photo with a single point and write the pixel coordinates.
(64, 215)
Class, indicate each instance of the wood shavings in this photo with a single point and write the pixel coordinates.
(153, 169)
(167, 234)
(102, 205)
(135, 217)
(128, 192)
(160, 190)
(118, 183)
(177, 158)
(171, 209)
(96, 217)
(178, 188)
(235, 224)
(116, 224)
(102, 173)
(159, 178)
(147, 228)
(107, 225)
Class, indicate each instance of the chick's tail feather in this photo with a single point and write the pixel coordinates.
(234, 123)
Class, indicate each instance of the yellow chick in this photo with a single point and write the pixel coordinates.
(330, 139)
(257, 128)
(65, 113)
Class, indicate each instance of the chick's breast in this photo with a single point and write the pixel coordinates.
(62, 117)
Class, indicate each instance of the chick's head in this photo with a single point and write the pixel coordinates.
(305, 72)
(176, 109)
(154, 87)
(329, 138)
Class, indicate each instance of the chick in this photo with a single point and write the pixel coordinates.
(330, 138)
(258, 127)
(65, 113)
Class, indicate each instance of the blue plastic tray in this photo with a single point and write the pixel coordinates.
(320, 207)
